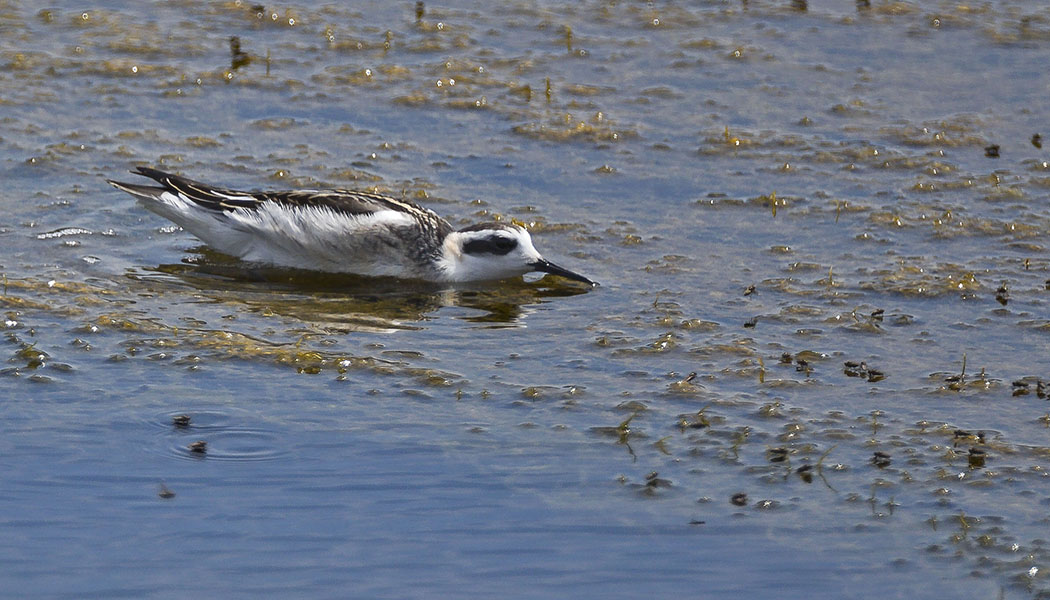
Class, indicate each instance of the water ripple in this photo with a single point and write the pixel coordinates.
(227, 435)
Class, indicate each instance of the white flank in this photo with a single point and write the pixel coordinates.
(310, 237)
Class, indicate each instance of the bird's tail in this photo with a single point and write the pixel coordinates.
(144, 192)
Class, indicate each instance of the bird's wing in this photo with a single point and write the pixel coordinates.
(346, 202)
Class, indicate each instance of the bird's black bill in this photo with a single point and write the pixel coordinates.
(545, 266)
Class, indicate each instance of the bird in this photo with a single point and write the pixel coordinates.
(341, 231)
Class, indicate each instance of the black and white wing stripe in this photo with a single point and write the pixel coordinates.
(347, 202)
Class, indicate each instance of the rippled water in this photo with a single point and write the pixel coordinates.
(814, 367)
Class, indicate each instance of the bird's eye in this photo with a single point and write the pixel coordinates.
(493, 244)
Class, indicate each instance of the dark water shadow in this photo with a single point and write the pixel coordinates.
(336, 298)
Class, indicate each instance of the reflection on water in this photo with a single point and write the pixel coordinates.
(350, 301)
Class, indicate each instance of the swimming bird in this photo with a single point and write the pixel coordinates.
(341, 231)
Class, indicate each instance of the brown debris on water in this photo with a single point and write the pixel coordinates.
(805, 472)
(685, 385)
(238, 58)
(1002, 295)
(881, 459)
(976, 458)
(698, 420)
(777, 455)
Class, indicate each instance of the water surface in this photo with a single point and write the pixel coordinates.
(813, 369)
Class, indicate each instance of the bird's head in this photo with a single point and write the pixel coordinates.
(496, 251)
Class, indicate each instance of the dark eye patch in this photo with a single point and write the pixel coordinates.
(494, 244)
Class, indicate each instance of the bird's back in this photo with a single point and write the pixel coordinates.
(327, 230)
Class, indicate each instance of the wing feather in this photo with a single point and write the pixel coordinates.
(348, 202)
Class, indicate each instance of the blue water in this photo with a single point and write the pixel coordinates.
(371, 438)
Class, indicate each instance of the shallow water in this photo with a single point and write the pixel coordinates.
(796, 201)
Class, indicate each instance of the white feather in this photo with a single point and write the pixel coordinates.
(309, 237)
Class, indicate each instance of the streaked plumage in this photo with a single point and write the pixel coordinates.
(341, 231)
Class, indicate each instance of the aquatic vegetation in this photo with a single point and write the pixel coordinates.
(826, 304)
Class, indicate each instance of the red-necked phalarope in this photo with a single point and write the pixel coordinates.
(341, 231)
